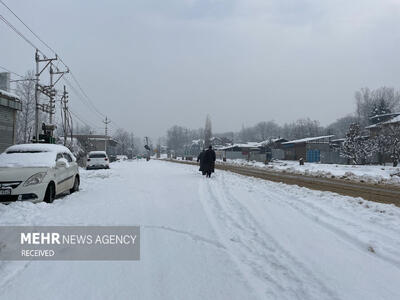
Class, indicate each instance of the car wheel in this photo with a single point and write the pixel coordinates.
(75, 188)
(50, 193)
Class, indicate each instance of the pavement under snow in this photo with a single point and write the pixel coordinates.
(228, 237)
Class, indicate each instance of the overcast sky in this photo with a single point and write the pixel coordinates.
(151, 64)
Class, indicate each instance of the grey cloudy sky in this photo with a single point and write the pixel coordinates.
(151, 64)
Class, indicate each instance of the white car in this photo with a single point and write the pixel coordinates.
(97, 160)
(37, 172)
(121, 157)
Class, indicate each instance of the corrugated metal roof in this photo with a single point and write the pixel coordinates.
(309, 139)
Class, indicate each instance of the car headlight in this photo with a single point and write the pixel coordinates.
(35, 179)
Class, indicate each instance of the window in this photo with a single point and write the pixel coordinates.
(59, 155)
(67, 157)
(97, 155)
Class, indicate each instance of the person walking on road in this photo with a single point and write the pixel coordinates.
(209, 161)
(200, 160)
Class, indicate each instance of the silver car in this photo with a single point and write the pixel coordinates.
(37, 172)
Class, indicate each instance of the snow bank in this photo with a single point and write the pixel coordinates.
(365, 173)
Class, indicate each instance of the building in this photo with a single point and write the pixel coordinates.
(96, 142)
(380, 121)
(10, 104)
(308, 149)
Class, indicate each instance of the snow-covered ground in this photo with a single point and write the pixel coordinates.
(228, 237)
(365, 173)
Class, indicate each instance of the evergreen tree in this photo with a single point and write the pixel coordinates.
(357, 148)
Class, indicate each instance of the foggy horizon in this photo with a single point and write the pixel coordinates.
(149, 65)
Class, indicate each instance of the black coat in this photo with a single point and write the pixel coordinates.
(200, 158)
(209, 160)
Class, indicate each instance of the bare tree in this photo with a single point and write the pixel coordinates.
(207, 132)
(266, 130)
(177, 138)
(26, 117)
(124, 141)
(340, 127)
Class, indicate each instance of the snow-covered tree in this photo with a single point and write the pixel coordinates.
(375, 102)
(388, 142)
(357, 148)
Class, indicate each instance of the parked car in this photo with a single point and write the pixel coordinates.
(122, 157)
(97, 160)
(37, 172)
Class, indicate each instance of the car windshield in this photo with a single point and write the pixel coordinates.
(27, 158)
(24, 151)
(97, 155)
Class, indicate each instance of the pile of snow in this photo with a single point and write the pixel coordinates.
(361, 173)
(32, 155)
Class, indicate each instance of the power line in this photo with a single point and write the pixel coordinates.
(17, 32)
(7, 70)
(15, 15)
(88, 99)
(84, 122)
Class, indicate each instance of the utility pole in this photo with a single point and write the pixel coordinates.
(37, 97)
(106, 122)
(64, 100)
(52, 84)
(51, 100)
(46, 90)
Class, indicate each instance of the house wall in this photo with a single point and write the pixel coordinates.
(278, 154)
(235, 155)
(7, 127)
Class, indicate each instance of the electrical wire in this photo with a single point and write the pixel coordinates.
(88, 100)
(7, 70)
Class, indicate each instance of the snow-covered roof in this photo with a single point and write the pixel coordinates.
(8, 94)
(371, 126)
(32, 155)
(309, 139)
(385, 115)
(394, 120)
(246, 145)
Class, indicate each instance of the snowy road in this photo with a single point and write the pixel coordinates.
(230, 237)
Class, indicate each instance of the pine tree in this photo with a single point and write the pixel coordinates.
(389, 142)
(357, 148)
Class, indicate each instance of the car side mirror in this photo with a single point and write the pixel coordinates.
(61, 163)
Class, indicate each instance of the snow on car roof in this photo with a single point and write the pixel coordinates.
(32, 155)
(97, 152)
(37, 148)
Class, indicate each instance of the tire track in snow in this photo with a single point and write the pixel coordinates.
(272, 272)
(193, 236)
(335, 225)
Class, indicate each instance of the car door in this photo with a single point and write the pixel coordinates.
(61, 175)
(71, 170)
